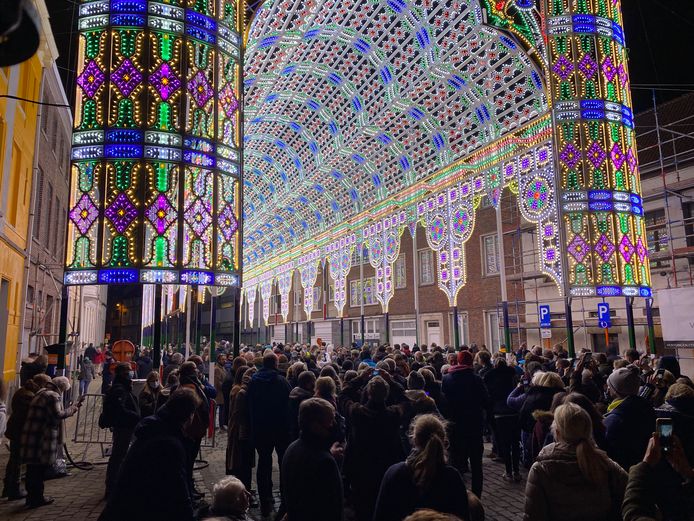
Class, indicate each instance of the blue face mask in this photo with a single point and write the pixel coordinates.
(131, 374)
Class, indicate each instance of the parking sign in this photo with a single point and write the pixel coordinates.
(545, 316)
(604, 318)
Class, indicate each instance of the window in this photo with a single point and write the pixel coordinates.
(426, 267)
(688, 214)
(368, 294)
(490, 255)
(403, 331)
(658, 238)
(317, 290)
(38, 205)
(464, 328)
(491, 319)
(49, 214)
(297, 297)
(371, 329)
(276, 304)
(30, 294)
(355, 256)
(400, 272)
(486, 202)
(331, 293)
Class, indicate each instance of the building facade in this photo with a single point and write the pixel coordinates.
(48, 218)
(19, 121)
(668, 194)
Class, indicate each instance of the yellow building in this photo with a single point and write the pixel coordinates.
(18, 124)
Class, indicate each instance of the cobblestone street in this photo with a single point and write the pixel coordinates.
(78, 496)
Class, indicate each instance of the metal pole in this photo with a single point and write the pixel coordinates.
(62, 334)
(569, 328)
(213, 334)
(342, 332)
(630, 322)
(651, 327)
(456, 328)
(156, 341)
(237, 321)
(189, 313)
(415, 273)
(502, 277)
(361, 292)
(198, 320)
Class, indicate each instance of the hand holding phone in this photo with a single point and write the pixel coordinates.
(664, 428)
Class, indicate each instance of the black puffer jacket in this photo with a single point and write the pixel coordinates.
(120, 404)
(538, 399)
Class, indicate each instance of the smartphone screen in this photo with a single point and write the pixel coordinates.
(665, 433)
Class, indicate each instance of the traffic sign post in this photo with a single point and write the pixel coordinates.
(545, 316)
(604, 318)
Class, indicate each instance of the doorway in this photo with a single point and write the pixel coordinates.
(433, 332)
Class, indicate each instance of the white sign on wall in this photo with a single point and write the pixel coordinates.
(676, 317)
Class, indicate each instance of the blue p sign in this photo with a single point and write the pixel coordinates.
(604, 318)
(545, 316)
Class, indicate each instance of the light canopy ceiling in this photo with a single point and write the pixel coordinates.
(349, 101)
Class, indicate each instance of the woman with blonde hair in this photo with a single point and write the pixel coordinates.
(572, 478)
(425, 479)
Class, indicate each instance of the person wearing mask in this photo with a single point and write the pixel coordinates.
(466, 399)
(152, 484)
(303, 391)
(86, 375)
(572, 479)
(630, 419)
(268, 397)
(240, 456)
(373, 444)
(149, 396)
(500, 382)
(122, 413)
(424, 480)
(21, 400)
(311, 484)
(41, 435)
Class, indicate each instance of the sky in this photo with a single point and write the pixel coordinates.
(658, 35)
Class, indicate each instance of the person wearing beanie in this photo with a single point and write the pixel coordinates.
(630, 419)
(467, 399)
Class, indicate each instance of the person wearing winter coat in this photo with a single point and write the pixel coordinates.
(149, 396)
(573, 480)
(87, 374)
(303, 391)
(220, 374)
(268, 398)
(122, 412)
(41, 436)
(424, 480)
(240, 455)
(311, 485)
(21, 400)
(152, 484)
(630, 419)
(500, 382)
(466, 399)
(144, 365)
(418, 402)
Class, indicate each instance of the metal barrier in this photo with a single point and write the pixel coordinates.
(87, 428)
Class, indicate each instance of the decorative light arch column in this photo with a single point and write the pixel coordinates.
(308, 270)
(251, 291)
(265, 294)
(339, 254)
(284, 285)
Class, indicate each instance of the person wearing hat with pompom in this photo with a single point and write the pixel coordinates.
(467, 399)
(630, 419)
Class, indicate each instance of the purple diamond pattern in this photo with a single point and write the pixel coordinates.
(631, 159)
(563, 68)
(126, 77)
(578, 248)
(641, 250)
(622, 73)
(596, 155)
(198, 217)
(588, 66)
(608, 69)
(84, 214)
(604, 248)
(161, 214)
(227, 223)
(165, 81)
(617, 156)
(227, 98)
(200, 89)
(91, 79)
(626, 248)
(121, 212)
(570, 155)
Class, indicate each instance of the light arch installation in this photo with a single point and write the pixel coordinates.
(399, 112)
(156, 164)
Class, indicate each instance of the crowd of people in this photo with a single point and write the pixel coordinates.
(384, 433)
